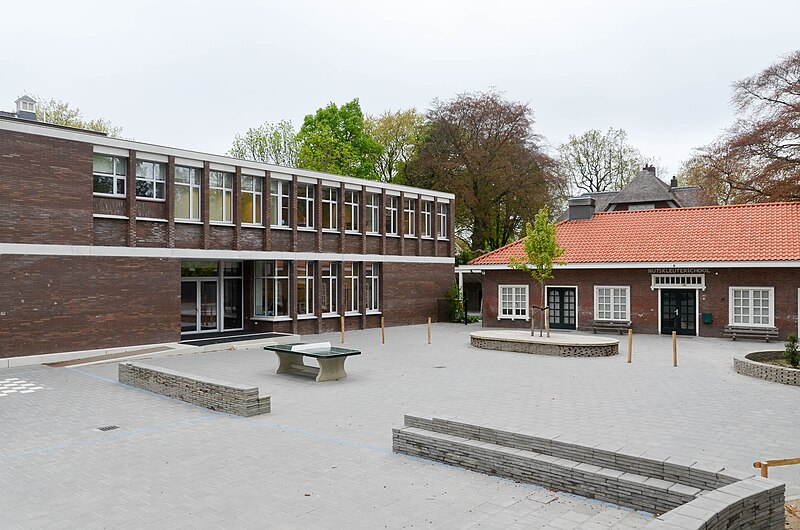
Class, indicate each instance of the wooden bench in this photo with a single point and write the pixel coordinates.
(620, 326)
(330, 359)
(740, 332)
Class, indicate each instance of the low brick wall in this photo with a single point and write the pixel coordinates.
(624, 477)
(561, 350)
(753, 365)
(214, 395)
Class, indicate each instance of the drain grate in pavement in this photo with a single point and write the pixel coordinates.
(107, 428)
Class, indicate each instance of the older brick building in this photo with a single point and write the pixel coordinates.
(107, 242)
(706, 271)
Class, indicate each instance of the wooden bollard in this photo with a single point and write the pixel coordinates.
(630, 345)
(429, 330)
(547, 320)
(342, 329)
(674, 349)
(383, 334)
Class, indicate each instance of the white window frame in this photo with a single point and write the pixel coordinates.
(351, 298)
(427, 219)
(330, 200)
(678, 281)
(410, 214)
(226, 192)
(626, 317)
(256, 190)
(520, 294)
(194, 184)
(352, 201)
(331, 290)
(373, 205)
(441, 218)
(279, 203)
(153, 182)
(305, 204)
(115, 176)
(306, 273)
(750, 307)
(391, 215)
(372, 276)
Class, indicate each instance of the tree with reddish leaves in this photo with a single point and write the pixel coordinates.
(483, 148)
(758, 158)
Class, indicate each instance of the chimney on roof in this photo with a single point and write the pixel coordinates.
(650, 169)
(26, 108)
(674, 182)
(580, 208)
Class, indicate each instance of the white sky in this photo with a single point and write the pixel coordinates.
(193, 74)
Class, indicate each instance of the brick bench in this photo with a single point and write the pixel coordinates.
(739, 332)
(620, 326)
(622, 476)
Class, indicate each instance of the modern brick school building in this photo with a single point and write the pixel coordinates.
(107, 242)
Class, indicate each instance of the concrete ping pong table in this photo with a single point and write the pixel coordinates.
(330, 359)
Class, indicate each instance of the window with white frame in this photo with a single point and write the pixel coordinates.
(305, 287)
(110, 173)
(410, 215)
(279, 202)
(611, 303)
(151, 180)
(272, 288)
(330, 208)
(252, 199)
(512, 301)
(329, 273)
(220, 197)
(391, 215)
(751, 306)
(187, 193)
(305, 205)
(427, 219)
(441, 214)
(372, 277)
(373, 204)
(352, 199)
(350, 286)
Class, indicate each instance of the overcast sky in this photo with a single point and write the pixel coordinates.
(193, 74)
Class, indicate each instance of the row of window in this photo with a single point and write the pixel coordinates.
(274, 296)
(110, 174)
(748, 306)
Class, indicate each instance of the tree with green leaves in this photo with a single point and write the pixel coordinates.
(398, 134)
(334, 140)
(542, 251)
(59, 112)
(270, 143)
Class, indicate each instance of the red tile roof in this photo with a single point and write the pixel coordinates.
(743, 232)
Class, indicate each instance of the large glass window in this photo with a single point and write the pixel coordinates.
(187, 193)
(151, 180)
(252, 199)
(279, 202)
(611, 303)
(372, 276)
(110, 173)
(329, 271)
(441, 213)
(351, 205)
(410, 215)
(272, 288)
(751, 306)
(373, 204)
(220, 196)
(305, 288)
(513, 301)
(330, 208)
(427, 219)
(350, 286)
(305, 205)
(391, 215)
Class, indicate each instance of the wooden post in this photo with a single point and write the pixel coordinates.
(547, 320)
(429, 330)
(342, 329)
(674, 349)
(383, 335)
(764, 470)
(630, 345)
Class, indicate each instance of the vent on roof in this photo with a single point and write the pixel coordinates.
(26, 108)
(107, 428)
(580, 208)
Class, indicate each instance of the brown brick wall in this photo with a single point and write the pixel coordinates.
(410, 291)
(61, 303)
(109, 232)
(46, 190)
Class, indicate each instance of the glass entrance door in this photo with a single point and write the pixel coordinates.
(199, 307)
(678, 311)
(561, 301)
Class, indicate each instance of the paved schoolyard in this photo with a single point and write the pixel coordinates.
(322, 458)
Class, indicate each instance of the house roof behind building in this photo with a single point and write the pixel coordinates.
(645, 187)
(744, 232)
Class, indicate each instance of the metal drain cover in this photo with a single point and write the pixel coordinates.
(107, 428)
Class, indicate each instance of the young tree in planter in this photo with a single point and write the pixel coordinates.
(542, 252)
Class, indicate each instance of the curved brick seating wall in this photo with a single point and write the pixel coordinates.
(680, 490)
(214, 395)
(562, 350)
(753, 365)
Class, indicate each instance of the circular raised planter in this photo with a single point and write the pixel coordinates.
(558, 344)
(754, 365)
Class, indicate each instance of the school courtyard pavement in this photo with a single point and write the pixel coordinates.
(323, 459)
